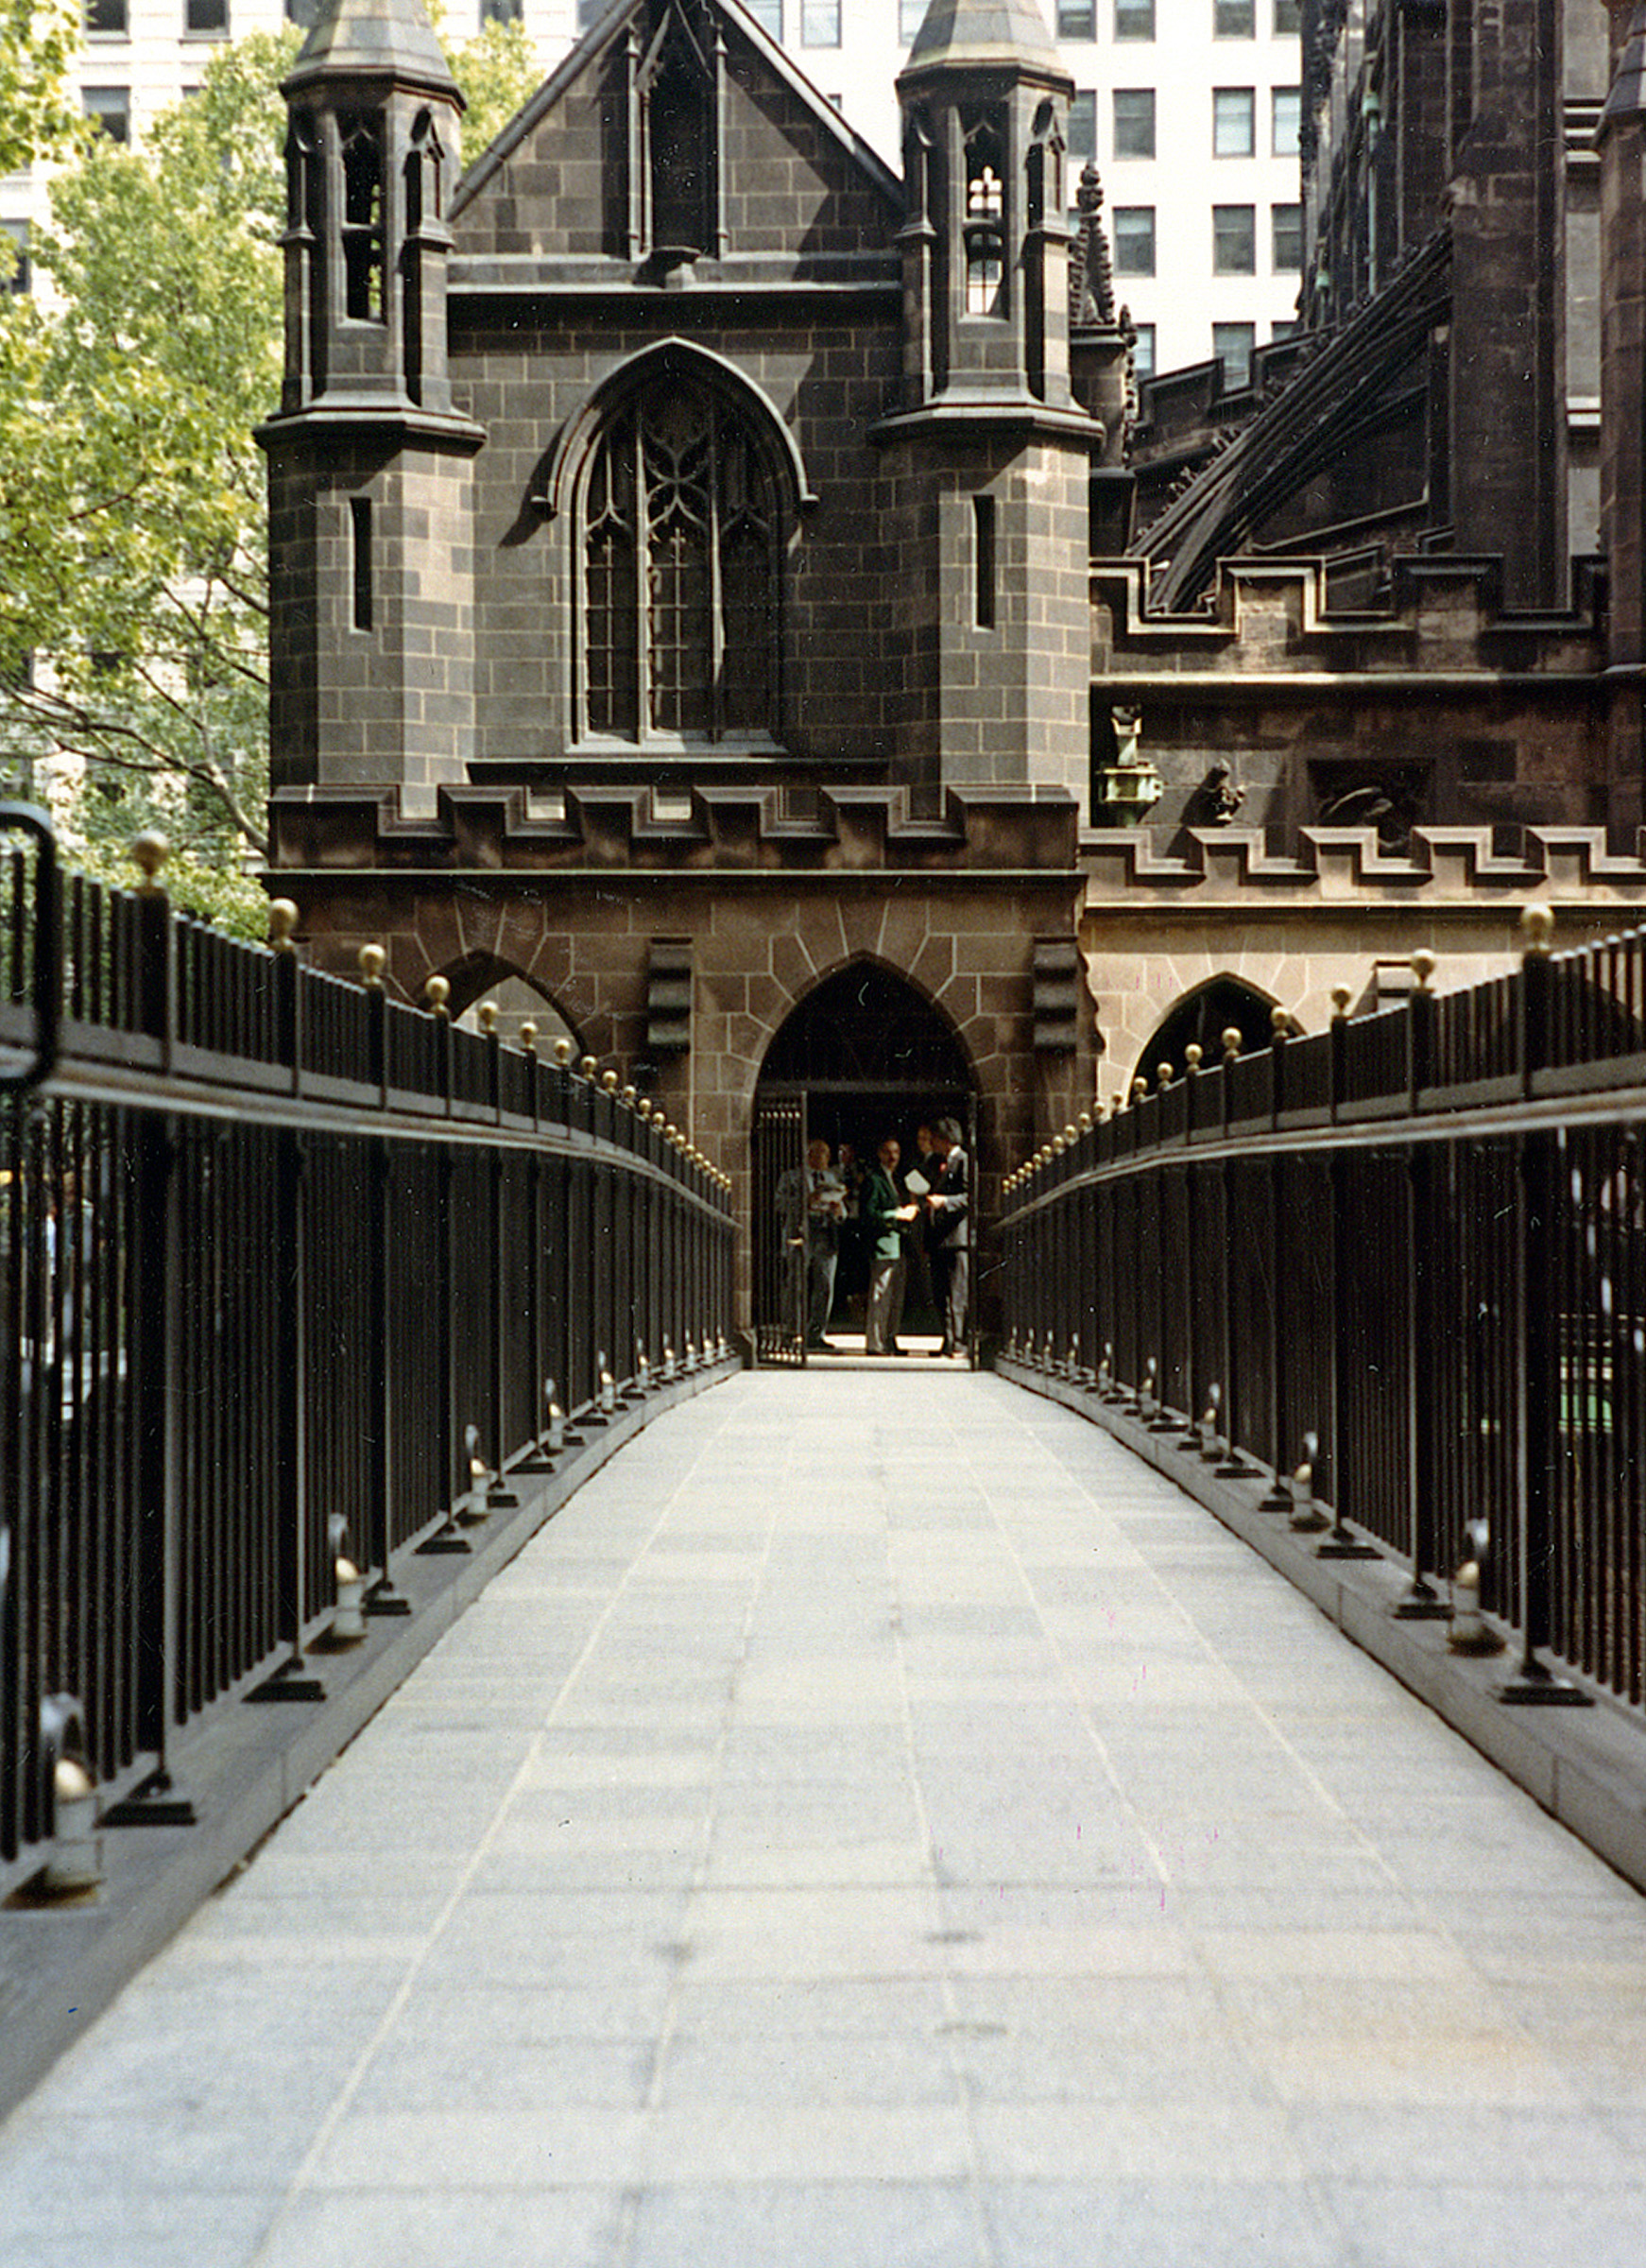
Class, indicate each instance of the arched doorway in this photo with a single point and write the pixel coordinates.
(864, 1056)
(1201, 1018)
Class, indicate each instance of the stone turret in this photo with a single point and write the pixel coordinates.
(990, 456)
(368, 466)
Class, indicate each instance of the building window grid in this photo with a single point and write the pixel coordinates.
(15, 278)
(107, 19)
(1134, 19)
(111, 107)
(205, 19)
(1234, 344)
(1285, 121)
(1077, 21)
(1286, 238)
(1082, 127)
(1134, 240)
(819, 22)
(1234, 19)
(1134, 122)
(1234, 122)
(1234, 240)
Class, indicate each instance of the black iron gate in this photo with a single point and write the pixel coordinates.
(779, 1229)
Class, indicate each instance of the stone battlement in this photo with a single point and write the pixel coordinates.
(1432, 615)
(1216, 865)
(870, 829)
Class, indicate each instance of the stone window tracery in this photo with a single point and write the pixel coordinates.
(679, 547)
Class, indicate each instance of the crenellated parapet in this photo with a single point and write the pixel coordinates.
(870, 829)
(1215, 866)
(1430, 614)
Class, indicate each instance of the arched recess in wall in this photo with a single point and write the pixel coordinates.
(863, 1056)
(679, 488)
(1201, 1018)
(868, 1026)
(482, 976)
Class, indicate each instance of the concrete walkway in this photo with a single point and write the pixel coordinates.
(876, 1823)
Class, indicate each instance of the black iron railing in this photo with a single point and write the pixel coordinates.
(1399, 1269)
(289, 1275)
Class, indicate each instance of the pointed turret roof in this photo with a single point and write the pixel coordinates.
(373, 39)
(970, 33)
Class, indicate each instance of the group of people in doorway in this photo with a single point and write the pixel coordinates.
(917, 1226)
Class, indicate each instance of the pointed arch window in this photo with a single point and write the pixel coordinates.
(679, 547)
(985, 221)
(360, 137)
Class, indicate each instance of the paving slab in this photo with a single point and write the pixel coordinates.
(878, 1822)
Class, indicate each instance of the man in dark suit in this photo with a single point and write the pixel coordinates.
(891, 1218)
(948, 1234)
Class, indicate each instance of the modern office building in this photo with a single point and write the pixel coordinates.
(1190, 107)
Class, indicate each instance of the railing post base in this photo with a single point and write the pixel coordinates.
(1539, 1688)
(1421, 1605)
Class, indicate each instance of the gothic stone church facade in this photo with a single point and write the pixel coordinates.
(684, 602)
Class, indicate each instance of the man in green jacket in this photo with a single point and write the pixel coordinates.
(890, 1219)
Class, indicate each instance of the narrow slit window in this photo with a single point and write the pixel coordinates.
(360, 559)
(984, 560)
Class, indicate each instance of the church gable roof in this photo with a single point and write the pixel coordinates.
(794, 175)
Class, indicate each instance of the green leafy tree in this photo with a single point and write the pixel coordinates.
(498, 71)
(134, 557)
(38, 41)
(133, 528)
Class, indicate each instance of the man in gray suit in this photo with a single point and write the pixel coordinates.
(948, 1234)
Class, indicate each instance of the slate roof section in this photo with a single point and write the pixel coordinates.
(960, 34)
(373, 39)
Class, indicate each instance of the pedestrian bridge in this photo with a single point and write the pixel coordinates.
(878, 1820)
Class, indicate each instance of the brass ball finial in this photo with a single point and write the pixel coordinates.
(1280, 1021)
(1140, 1088)
(564, 1054)
(1193, 1055)
(1086, 1121)
(1071, 1132)
(1163, 1074)
(1423, 968)
(437, 992)
(486, 1016)
(588, 1067)
(628, 1096)
(283, 920)
(528, 1037)
(608, 1080)
(1341, 996)
(1231, 1044)
(149, 853)
(374, 961)
(1538, 927)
